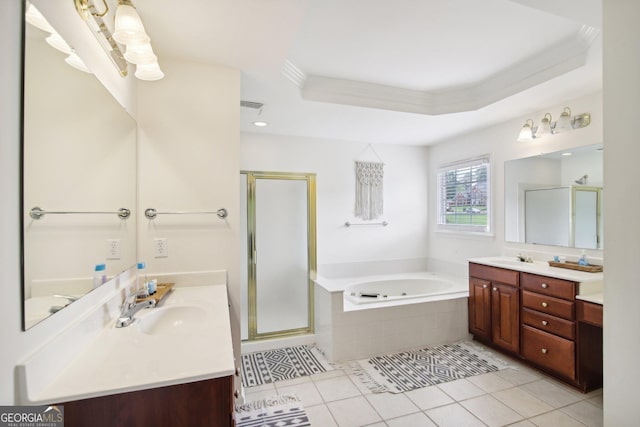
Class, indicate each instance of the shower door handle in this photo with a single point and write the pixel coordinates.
(255, 257)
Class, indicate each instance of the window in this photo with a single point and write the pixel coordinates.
(464, 196)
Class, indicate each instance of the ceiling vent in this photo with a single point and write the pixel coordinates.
(251, 104)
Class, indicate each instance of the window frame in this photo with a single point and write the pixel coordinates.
(485, 229)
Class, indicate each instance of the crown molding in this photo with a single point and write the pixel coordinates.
(567, 55)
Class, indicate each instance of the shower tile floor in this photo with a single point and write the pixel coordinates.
(517, 396)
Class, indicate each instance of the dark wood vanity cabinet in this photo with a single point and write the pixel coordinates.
(200, 403)
(548, 323)
(494, 306)
(538, 319)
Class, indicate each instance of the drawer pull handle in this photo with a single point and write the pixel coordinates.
(544, 304)
(544, 351)
(484, 286)
(545, 286)
(545, 323)
(495, 289)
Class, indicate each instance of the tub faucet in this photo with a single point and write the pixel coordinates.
(129, 308)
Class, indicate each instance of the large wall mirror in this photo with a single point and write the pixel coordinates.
(79, 169)
(556, 199)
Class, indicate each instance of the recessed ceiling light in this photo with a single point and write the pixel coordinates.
(567, 154)
(260, 124)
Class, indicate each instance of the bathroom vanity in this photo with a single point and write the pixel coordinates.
(172, 366)
(549, 317)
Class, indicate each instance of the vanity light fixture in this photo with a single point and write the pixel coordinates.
(564, 123)
(34, 17)
(545, 126)
(526, 133)
(74, 60)
(56, 41)
(128, 31)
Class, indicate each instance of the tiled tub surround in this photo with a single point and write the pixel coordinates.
(92, 358)
(346, 331)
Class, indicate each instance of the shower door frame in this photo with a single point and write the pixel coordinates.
(310, 179)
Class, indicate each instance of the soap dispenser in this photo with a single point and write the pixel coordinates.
(141, 281)
(99, 275)
(583, 259)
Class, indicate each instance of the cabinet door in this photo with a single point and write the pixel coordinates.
(480, 308)
(505, 317)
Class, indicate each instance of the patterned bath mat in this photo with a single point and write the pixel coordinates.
(280, 411)
(409, 370)
(269, 366)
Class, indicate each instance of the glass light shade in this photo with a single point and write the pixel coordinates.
(35, 18)
(140, 53)
(74, 60)
(149, 72)
(526, 133)
(544, 129)
(55, 40)
(128, 25)
(564, 122)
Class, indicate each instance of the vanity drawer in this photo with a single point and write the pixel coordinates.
(589, 313)
(549, 323)
(549, 351)
(549, 305)
(549, 286)
(494, 274)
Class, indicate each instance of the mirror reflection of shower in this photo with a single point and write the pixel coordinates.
(582, 180)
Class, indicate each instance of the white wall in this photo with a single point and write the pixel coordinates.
(405, 193)
(621, 159)
(501, 143)
(188, 138)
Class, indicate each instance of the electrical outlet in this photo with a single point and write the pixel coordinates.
(113, 248)
(161, 248)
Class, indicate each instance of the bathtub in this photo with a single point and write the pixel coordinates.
(420, 309)
(404, 287)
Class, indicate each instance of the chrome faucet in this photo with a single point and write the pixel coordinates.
(129, 308)
(57, 308)
(522, 258)
(69, 298)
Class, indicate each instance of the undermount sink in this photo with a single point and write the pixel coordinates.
(172, 320)
(511, 262)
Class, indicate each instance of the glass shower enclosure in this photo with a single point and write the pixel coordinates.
(279, 240)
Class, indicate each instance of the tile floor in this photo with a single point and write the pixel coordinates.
(517, 396)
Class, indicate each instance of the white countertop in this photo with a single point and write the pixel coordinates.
(596, 298)
(590, 284)
(126, 359)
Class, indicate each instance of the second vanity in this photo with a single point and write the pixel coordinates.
(173, 365)
(547, 316)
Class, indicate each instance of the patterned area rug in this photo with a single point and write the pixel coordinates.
(282, 364)
(409, 370)
(281, 411)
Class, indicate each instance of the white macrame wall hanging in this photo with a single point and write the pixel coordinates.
(369, 190)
